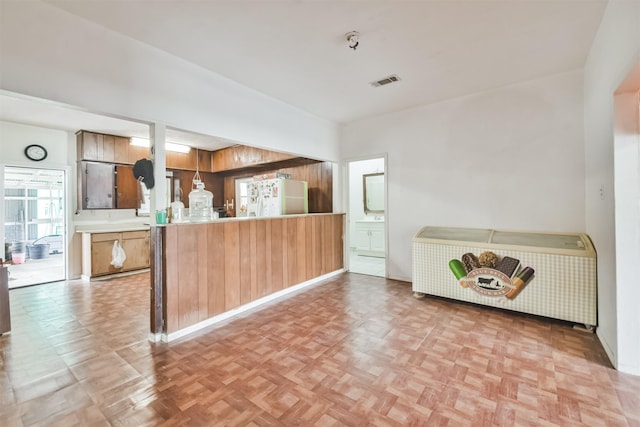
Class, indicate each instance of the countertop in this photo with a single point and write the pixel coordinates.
(111, 227)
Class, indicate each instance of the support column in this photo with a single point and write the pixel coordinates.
(158, 132)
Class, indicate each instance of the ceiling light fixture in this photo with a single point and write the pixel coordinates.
(169, 146)
(353, 38)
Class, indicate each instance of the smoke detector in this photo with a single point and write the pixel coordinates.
(352, 38)
(385, 81)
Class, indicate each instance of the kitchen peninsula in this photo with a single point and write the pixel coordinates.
(202, 273)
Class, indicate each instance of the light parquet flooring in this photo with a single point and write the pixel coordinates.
(353, 351)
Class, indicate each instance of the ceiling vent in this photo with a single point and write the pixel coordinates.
(387, 80)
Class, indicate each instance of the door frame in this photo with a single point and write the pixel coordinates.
(67, 202)
(346, 203)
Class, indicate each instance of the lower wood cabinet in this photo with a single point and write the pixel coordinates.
(97, 252)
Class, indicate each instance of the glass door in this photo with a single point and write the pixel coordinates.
(34, 225)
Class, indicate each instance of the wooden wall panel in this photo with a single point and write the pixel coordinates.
(188, 305)
(291, 259)
(244, 254)
(232, 265)
(260, 259)
(268, 257)
(203, 282)
(276, 255)
(170, 285)
(319, 178)
(300, 248)
(215, 268)
(338, 247)
(316, 262)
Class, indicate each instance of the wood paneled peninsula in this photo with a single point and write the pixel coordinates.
(203, 273)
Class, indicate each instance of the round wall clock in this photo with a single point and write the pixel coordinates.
(35, 152)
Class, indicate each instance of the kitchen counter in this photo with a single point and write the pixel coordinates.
(111, 227)
(204, 272)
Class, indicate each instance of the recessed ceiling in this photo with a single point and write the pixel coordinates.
(296, 51)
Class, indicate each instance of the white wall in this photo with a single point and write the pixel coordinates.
(51, 54)
(511, 158)
(615, 50)
(61, 150)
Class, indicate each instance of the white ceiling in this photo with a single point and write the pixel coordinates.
(295, 50)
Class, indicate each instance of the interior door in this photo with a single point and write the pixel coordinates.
(34, 229)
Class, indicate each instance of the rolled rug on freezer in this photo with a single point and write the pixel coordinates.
(520, 281)
(458, 270)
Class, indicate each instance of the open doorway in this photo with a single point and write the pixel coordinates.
(34, 225)
(367, 225)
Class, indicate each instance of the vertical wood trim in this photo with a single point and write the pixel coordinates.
(253, 251)
(188, 275)
(171, 314)
(317, 246)
(232, 265)
(292, 251)
(339, 240)
(300, 247)
(203, 282)
(268, 256)
(260, 258)
(276, 255)
(216, 269)
(244, 254)
(308, 232)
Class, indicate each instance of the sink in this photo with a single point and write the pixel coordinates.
(372, 219)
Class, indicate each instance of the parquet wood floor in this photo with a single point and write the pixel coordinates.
(353, 351)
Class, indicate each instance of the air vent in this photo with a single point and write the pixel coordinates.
(390, 79)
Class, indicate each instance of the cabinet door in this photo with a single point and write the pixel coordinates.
(127, 188)
(362, 238)
(136, 246)
(97, 185)
(101, 248)
(377, 239)
(121, 150)
(108, 149)
(87, 143)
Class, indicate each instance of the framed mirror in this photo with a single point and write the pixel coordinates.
(373, 193)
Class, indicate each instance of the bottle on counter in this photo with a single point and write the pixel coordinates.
(200, 204)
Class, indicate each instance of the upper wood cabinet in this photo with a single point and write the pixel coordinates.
(98, 147)
(127, 188)
(240, 156)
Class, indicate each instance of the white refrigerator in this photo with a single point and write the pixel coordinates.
(274, 197)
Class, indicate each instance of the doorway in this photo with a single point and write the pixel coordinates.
(367, 216)
(34, 225)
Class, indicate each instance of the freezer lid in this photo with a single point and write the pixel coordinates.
(553, 241)
(455, 234)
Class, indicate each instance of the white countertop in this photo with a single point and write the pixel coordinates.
(111, 227)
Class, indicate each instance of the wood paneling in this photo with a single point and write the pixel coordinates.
(319, 178)
(232, 265)
(215, 267)
(188, 289)
(241, 156)
(127, 188)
